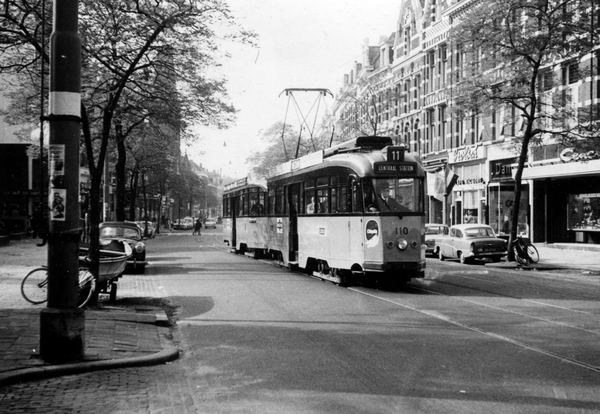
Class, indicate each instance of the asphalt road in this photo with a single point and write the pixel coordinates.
(257, 338)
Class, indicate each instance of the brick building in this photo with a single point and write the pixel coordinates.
(404, 87)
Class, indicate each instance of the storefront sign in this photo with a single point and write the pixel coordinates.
(569, 155)
(470, 153)
(501, 170)
(479, 180)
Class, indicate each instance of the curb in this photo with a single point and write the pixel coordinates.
(32, 374)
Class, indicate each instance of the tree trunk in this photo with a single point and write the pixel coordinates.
(133, 190)
(120, 176)
(514, 219)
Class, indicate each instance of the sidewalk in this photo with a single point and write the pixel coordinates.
(131, 332)
(574, 258)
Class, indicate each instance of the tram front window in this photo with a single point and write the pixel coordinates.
(393, 195)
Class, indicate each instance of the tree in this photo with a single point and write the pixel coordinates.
(507, 50)
(361, 109)
(144, 63)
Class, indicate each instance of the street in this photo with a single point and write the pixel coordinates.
(257, 338)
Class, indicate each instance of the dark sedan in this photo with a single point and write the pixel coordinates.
(130, 233)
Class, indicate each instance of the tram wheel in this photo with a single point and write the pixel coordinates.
(345, 277)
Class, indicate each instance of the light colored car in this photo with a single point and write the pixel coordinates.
(210, 224)
(188, 223)
(467, 242)
(432, 232)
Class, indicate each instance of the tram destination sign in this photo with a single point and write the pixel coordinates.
(398, 168)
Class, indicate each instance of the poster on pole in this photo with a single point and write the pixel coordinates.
(57, 196)
(56, 164)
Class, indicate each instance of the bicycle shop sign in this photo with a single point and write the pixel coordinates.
(470, 153)
(569, 155)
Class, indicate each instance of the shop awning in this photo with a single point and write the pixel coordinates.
(561, 170)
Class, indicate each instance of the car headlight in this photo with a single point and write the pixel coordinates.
(139, 248)
(402, 244)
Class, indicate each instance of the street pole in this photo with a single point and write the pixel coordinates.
(62, 324)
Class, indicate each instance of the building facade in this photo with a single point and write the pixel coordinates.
(406, 85)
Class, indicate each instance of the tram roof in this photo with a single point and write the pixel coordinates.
(243, 183)
(359, 154)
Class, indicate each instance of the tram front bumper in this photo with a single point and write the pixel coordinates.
(415, 269)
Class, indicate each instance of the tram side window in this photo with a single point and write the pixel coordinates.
(343, 199)
(227, 207)
(279, 201)
(334, 200)
(244, 197)
(323, 201)
(257, 203)
(271, 201)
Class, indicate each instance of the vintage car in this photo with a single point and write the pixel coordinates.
(432, 232)
(151, 230)
(132, 235)
(467, 242)
(210, 223)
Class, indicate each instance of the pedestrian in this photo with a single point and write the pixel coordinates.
(197, 227)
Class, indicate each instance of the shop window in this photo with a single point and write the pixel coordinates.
(584, 212)
(501, 203)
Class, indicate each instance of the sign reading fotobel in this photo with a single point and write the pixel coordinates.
(466, 154)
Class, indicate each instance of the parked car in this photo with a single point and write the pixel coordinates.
(130, 233)
(432, 232)
(210, 224)
(151, 230)
(467, 242)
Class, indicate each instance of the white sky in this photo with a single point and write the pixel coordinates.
(301, 44)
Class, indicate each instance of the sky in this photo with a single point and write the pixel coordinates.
(301, 44)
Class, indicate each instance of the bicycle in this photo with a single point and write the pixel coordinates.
(34, 286)
(525, 252)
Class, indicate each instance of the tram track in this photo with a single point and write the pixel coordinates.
(394, 299)
(504, 338)
(501, 284)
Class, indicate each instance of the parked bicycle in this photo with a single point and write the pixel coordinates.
(525, 251)
(34, 286)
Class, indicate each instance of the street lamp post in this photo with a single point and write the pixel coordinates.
(62, 323)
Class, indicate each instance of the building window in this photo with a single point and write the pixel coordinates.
(407, 36)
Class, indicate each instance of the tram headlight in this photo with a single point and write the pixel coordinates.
(402, 244)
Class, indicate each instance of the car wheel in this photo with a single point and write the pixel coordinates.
(440, 254)
(463, 259)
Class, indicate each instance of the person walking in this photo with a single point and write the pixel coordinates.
(197, 227)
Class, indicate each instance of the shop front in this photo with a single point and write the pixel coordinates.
(469, 203)
(501, 196)
(567, 198)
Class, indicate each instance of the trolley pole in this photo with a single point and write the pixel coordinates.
(62, 324)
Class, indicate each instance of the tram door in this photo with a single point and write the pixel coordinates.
(234, 207)
(293, 194)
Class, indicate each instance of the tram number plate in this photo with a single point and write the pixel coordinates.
(404, 168)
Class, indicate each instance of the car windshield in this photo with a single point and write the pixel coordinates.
(125, 232)
(396, 195)
(475, 232)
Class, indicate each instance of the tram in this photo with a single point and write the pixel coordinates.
(356, 209)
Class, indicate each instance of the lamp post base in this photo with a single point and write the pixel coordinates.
(62, 335)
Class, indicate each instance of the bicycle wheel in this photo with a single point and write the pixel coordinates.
(519, 255)
(533, 254)
(87, 285)
(34, 286)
